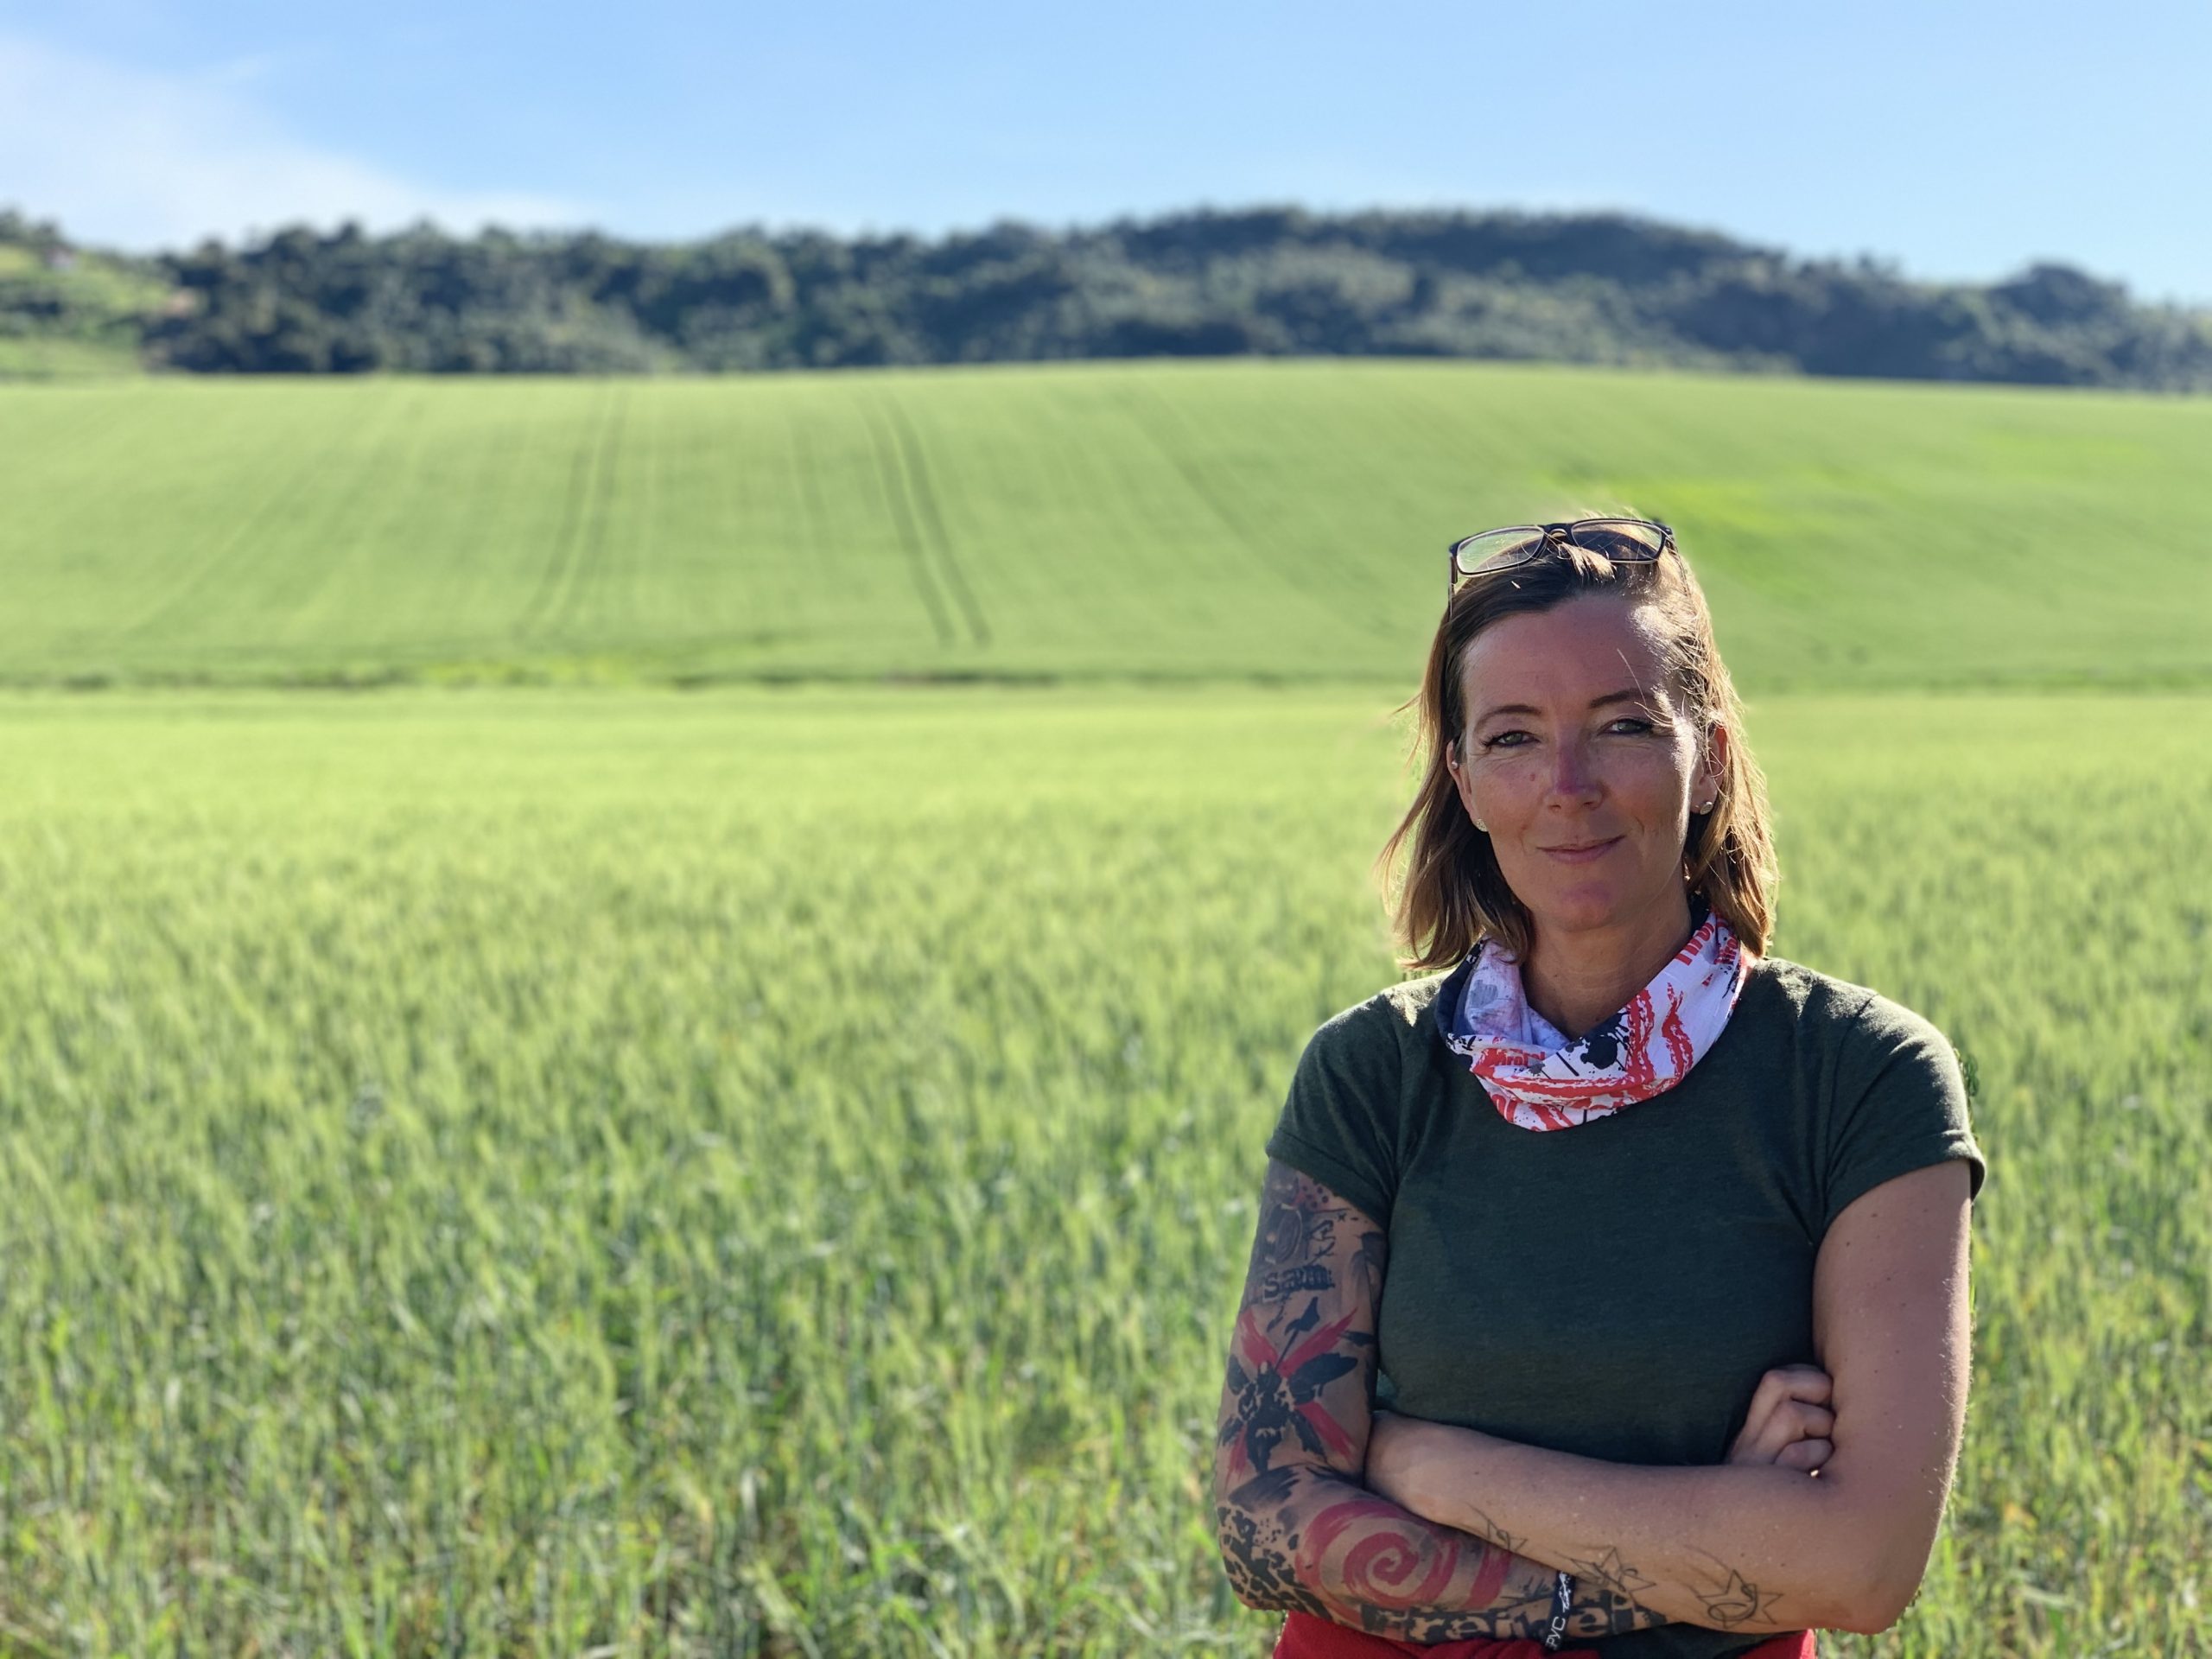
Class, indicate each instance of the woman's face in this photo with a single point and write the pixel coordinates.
(1582, 765)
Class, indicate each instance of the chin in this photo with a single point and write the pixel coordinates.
(1579, 911)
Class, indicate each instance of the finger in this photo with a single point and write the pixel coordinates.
(1799, 1383)
(1764, 1443)
(1805, 1455)
(1767, 1426)
(1807, 1422)
(1760, 1438)
(1786, 1382)
(1773, 1389)
(1792, 1423)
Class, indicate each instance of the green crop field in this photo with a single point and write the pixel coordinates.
(571, 1167)
(1269, 519)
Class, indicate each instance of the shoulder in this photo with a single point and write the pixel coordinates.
(1834, 1013)
(1889, 1087)
(1370, 1049)
(1841, 1009)
(1859, 1053)
(1387, 1024)
(1343, 1121)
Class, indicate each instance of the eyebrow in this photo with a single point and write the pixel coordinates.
(1632, 695)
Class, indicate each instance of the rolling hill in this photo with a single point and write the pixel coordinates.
(1274, 520)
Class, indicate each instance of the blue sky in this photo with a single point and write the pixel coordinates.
(1962, 141)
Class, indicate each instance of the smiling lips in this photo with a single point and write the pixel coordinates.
(1582, 854)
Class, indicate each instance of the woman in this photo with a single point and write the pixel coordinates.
(1654, 1246)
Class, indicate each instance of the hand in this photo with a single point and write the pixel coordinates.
(1789, 1422)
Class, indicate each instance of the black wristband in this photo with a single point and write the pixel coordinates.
(1562, 1604)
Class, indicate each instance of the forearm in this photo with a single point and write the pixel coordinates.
(1300, 1527)
(1732, 1546)
(1306, 1539)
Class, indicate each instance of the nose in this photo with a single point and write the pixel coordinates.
(1573, 778)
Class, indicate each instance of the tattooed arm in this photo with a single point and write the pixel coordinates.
(1299, 1529)
(1740, 1547)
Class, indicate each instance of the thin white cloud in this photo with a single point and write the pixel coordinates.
(126, 157)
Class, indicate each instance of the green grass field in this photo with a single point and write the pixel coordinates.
(564, 1169)
(1284, 520)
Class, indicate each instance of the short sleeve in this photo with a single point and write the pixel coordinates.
(1339, 1122)
(1900, 1104)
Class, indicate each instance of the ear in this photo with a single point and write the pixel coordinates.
(1460, 777)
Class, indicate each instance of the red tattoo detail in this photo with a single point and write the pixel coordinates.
(1327, 1429)
(1239, 1464)
(1389, 1564)
(1320, 1343)
(1252, 1348)
(1491, 1580)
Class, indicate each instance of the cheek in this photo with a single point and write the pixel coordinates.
(1649, 773)
(1666, 782)
(1498, 788)
(1662, 805)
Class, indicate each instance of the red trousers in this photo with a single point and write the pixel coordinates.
(1305, 1637)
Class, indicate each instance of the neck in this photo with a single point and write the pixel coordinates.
(1577, 980)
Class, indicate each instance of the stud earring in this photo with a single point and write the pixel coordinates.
(1480, 825)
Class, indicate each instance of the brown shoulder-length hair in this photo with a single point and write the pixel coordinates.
(1453, 894)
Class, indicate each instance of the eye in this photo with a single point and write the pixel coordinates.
(1499, 740)
(1635, 723)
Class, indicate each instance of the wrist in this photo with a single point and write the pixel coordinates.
(1443, 1476)
(1563, 1605)
(1417, 1475)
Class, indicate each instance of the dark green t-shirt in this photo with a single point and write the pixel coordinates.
(1616, 1289)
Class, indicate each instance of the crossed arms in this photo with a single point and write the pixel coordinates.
(1299, 1528)
(1427, 1533)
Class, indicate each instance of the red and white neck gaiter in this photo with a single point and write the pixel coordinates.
(1540, 1078)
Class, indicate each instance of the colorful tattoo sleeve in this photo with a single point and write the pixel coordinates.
(1297, 1528)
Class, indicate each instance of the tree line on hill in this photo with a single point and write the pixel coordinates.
(1598, 288)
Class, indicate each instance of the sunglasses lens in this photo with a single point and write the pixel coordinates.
(1496, 550)
(1623, 540)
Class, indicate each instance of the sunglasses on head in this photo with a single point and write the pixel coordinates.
(1625, 541)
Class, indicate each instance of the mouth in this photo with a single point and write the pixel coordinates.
(1582, 852)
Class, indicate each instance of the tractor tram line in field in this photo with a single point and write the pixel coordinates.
(1295, 510)
(893, 489)
(922, 497)
(898, 501)
(580, 534)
